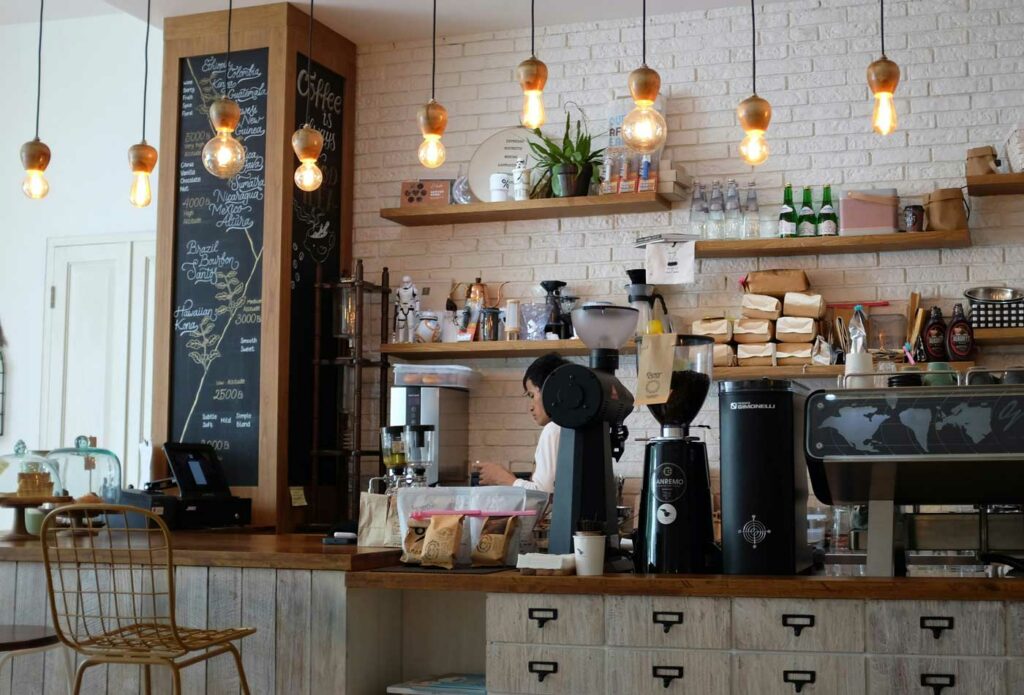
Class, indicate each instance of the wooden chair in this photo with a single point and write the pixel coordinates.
(110, 579)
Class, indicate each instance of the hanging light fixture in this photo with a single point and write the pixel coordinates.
(223, 155)
(142, 156)
(754, 113)
(883, 76)
(644, 128)
(35, 155)
(433, 117)
(307, 141)
(532, 75)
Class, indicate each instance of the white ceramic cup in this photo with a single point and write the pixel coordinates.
(589, 551)
(500, 185)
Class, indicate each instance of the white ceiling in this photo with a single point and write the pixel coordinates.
(378, 21)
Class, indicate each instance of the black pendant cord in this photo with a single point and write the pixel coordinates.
(753, 45)
(309, 63)
(39, 67)
(643, 35)
(533, 31)
(145, 74)
(881, 8)
(227, 60)
(433, 54)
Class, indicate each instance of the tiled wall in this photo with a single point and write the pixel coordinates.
(963, 86)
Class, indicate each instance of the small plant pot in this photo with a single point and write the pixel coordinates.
(564, 180)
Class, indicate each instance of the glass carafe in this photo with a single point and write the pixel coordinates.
(393, 456)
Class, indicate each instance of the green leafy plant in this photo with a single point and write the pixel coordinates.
(573, 150)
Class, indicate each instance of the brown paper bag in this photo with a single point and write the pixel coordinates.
(800, 304)
(776, 283)
(495, 536)
(412, 546)
(753, 330)
(378, 521)
(654, 373)
(982, 161)
(441, 543)
(760, 306)
(945, 210)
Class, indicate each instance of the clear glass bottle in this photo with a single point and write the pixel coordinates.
(698, 211)
(733, 215)
(751, 214)
(716, 213)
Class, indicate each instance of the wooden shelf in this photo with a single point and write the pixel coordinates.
(904, 241)
(514, 210)
(995, 184)
(999, 336)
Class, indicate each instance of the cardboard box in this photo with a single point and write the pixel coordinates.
(427, 192)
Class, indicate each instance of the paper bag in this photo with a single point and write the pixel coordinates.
(811, 306)
(670, 263)
(718, 329)
(723, 356)
(753, 330)
(654, 371)
(793, 354)
(760, 306)
(775, 283)
(793, 329)
(378, 521)
(756, 355)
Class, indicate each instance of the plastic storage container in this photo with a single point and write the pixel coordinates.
(448, 376)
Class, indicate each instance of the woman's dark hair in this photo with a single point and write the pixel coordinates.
(541, 369)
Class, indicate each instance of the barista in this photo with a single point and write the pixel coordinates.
(546, 455)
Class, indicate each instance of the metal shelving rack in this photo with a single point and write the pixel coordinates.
(350, 359)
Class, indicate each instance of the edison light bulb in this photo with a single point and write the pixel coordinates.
(223, 155)
(644, 129)
(432, 152)
(35, 185)
(533, 109)
(754, 148)
(883, 120)
(308, 176)
(141, 194)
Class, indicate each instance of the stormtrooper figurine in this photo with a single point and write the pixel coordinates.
(407, 307)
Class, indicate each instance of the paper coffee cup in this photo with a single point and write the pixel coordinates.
(589, 551)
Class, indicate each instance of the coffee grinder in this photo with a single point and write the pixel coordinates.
(590, 404)
(676, 531)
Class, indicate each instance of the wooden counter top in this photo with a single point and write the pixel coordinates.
(918, 588)
(214, 549)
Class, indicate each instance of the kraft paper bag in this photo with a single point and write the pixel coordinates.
(811, 306)
(412, 547)
(442, 541)
(723, 356)
(760, 306)
(378, 521)
(794, 329)
(718, 329)
(654, 373)
(793, 354)
(753, 330)
(756, 354)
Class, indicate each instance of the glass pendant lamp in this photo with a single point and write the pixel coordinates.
(883, 77)
(307, 141)
(532, 75)
(432, 117)
(224, 155)
(644, 129)
(754, 113)
(35, 155)
(142, 156)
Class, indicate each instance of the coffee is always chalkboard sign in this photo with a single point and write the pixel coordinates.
(217, 316)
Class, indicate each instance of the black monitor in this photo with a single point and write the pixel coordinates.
(196, 469)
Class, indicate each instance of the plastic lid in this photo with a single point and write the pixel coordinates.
(755, 385)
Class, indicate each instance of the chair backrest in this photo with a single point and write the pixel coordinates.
(110, 580)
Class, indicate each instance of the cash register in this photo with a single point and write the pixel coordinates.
(203, 498)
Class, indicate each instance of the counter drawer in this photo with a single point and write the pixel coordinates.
(545, 619)
(654, 671)
(798, 625)
(654, 621)
(967, 628)
(895, 675)
(807, 674)
(540, 670)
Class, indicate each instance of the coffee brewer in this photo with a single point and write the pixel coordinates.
(676, 530)
(643, 297)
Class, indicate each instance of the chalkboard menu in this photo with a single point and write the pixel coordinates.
(316, 230)
(215, 392)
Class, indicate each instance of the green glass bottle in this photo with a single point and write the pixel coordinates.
(787, 215)
(828, 220)
(807, 222)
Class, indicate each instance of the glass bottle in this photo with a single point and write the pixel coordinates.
(828, 220)
(733, 216)
(751, 214)
(716, 213)
(787, 214)
(807, 222)
(959, 336)
(698, 211)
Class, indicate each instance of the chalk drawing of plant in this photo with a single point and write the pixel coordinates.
(202, 344)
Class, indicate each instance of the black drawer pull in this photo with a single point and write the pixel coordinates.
(543, 669)
(667, 619)
(799, 678)
(936, 624)
(542, 615)
(667, 674)
(938, 681)
(798, 622)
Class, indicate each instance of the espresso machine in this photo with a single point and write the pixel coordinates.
(643, 298)
(676, 530)
(590, 404)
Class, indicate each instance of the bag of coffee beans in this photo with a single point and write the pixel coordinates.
(495, 536)
(442, 540)
(412, 546)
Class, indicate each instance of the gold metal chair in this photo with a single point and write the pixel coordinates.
(111, 590)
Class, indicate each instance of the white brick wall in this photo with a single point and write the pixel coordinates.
(963, 86)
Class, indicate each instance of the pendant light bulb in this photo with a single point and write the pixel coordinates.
(308, 143)
(532, 75)
(754, 115)
(35, 157)
(644, 128)
(433, 120)
(883, 118)
(142, 159)
(883, 77)
(432, 152)
(754, 148)
(223, 155)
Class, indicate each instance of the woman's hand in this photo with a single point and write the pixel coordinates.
(493, 474)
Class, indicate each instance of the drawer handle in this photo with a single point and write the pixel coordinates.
(667, 674)
(542, 615)
(799, 678)
(543, 669)
(667, 619)
(798, 622)
(936, 624)
(938, 681)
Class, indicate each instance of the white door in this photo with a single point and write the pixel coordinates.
(97, 361)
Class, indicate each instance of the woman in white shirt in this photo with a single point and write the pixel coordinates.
(546, 455)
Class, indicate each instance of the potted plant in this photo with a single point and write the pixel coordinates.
(570, 165)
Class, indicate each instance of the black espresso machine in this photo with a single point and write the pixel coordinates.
(203, 500)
